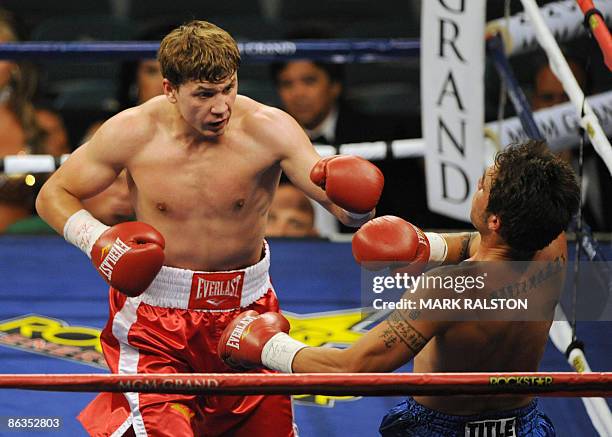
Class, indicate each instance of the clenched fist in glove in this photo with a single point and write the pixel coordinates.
(352, 183)
(253, 340)
(128, 255)
(390, 241)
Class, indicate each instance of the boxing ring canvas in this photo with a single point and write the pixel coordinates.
(53, 304)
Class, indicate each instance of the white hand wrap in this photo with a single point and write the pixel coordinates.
(82, 229)
(438, 248)
(279, 351)
(356, 215)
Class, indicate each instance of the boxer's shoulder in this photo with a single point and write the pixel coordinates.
(254, 114)
(269, 126)
(134, 126)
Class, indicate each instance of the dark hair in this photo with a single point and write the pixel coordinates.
(127, 92)
(335, 72)
(534, 193)
(311, 31)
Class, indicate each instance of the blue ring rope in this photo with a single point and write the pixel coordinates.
(495, 48)
(338, 51)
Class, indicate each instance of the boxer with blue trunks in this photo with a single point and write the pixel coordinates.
(411, 419)
(520, 208)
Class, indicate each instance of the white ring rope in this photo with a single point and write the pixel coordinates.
(561, 336)
(564, 19)
(557, 124)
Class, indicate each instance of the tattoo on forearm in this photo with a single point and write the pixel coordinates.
(401, 330)
(389, 338)
(466, 241)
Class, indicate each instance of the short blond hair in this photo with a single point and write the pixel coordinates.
(198, 51)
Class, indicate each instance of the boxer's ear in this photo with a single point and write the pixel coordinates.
(493, 222)
(170, 91)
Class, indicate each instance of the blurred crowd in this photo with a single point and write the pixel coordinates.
(53, 107)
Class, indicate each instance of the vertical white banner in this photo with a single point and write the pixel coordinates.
(452, 99)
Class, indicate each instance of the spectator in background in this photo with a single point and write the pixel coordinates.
(597, 183)
(291, 214)
(548, 91)
(19, 132)
(22, 131)
(140, 80)
(111, 206)
(56, 136)
(313, 93)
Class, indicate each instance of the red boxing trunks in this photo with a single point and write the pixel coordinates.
(174, 327)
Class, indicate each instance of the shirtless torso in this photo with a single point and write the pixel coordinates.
(495, 346)
(210, 201)
(208, 195)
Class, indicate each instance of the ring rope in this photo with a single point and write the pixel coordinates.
(495, 49)
(557, 139)
(594, 21)
(563, 18)
(333, 50)
(371, 384)
(562, 333)
(560, 67)
(561, 336)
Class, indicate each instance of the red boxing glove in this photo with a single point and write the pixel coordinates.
(390, 241)
(352, 183)
(243, 340)
(129, 256)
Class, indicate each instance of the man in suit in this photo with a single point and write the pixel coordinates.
(312, 93)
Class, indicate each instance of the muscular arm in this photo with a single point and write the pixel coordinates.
(392, 343)
(89, 170)
(389, 345)
(296, 154)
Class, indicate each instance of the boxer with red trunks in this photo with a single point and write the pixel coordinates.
(202, 164)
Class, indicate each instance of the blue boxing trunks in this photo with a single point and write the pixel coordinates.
(410, 418)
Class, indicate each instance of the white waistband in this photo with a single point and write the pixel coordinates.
(171, 288)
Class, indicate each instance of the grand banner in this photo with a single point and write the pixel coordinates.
(452, 98)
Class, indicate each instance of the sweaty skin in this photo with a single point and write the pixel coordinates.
(202, 166)
(439, 342)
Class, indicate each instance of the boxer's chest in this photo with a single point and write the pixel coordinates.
(209, 180)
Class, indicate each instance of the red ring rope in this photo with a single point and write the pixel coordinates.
(369, 384)
(599, 30)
